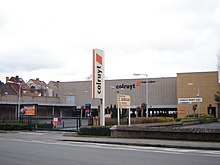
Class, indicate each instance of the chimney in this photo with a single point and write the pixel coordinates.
(37, 79)
(7, 79)
(17, 79)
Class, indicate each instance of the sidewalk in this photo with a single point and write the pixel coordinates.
(146, 142)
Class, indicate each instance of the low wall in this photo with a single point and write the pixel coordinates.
(166, 132)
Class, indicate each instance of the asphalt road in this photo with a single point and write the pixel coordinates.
(27, 148)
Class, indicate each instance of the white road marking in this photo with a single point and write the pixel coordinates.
(175, 151)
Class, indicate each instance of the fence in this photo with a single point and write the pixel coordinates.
(47, 123)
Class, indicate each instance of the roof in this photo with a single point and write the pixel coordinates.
(39, 82)
(16, 79)
(55, 83)
(7, 89)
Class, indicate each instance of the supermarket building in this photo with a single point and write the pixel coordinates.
(166, 96)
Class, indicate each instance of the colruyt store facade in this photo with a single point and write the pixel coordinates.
(159, 93)
(167, 96)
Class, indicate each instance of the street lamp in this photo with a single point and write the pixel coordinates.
(118, 111)
(89, 99)
(147, 94)
(19, 100)
(198, 95)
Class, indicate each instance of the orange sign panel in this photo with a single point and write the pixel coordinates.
(30, 110)
(181, 112)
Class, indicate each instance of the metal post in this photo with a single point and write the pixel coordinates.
(19, 102)
(118, 109)
(129, 117)
(147, 95)
(53, 111)
(102, 112)
(77, 123)
(198, 95)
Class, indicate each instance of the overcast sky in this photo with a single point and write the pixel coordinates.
(53, 39)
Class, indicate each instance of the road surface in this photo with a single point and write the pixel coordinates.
(34, 148)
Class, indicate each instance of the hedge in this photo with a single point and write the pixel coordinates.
(140, 120)
(95, 130)
(20, 126)
(13, 126)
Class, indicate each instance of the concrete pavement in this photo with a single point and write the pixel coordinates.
(154, 142)
(71, 137)
(146, 142)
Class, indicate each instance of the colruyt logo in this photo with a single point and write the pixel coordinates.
(98, 58)
(98, 73)
(129, 86)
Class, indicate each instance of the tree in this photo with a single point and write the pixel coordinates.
(194, 109)
(217, 100)
(143, 107)
(218, 63)
(138, 109)
(81, 111)
(217, 97)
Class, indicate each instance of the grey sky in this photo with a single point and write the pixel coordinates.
(53, 40)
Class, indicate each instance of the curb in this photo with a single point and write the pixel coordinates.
(145, 144)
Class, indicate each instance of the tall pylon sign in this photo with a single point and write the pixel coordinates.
(98, 81)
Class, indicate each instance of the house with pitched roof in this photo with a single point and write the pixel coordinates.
(38, 86)
(15, 83)
(54, 88)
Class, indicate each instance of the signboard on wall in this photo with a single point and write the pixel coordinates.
(98, 74)
(124, 101)
(29, 110)
(182, 112)
(189, 100)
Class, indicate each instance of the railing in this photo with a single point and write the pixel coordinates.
(42, 123)
(34, 99)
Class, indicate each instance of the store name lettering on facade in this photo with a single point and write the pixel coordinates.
(99, 80)
(125, 86)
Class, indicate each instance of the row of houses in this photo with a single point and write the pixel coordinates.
(33, 87)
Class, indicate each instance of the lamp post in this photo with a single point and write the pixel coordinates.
(147, 94)
(89, 99)
(198, 95)
(118, 111)
(19, 101)
(88, 104)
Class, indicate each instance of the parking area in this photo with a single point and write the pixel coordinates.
(214, 125)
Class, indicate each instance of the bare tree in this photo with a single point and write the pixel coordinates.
(218, 63)
(217, 100)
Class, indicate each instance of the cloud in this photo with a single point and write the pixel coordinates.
(29, 59)
(54, 40)
(3, 20)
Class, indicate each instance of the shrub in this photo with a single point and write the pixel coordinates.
(95, 130)
(40, 126)
(140, 120)
(13, 126)
(206, 116)
(178, 119)
(113, 121)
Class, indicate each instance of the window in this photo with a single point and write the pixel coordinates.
(70, 100)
